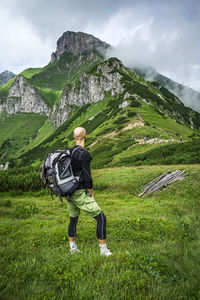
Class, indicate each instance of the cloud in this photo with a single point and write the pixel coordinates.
(169, 42)
(21, 46)
(163, 34)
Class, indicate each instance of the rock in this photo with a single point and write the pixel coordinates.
(92, 88)
(23, 97)
(124, 104)
(5, 77)
(77, 43)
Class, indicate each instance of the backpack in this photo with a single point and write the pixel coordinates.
(57, 174)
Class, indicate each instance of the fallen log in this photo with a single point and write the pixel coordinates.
(162, 181)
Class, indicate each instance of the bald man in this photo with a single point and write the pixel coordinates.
(83, 197)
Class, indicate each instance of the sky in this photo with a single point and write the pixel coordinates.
(158, 33)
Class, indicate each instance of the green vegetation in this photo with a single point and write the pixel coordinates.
(105, 117)
(50, 96)
(4, 89)
(44, 132)
(150, 111)
(28, 73)
(154, 241)
(17, 130)
(185, 153)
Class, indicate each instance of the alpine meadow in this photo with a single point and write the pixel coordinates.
(136, 130)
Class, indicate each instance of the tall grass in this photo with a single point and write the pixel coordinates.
(155, 241)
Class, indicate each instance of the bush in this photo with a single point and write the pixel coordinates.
(147, 123)
(25, 211)
(5, 203)
(181, 153)
(20, 180)
(135, 103)
(132, 114)
(90, 126)
(120, 120)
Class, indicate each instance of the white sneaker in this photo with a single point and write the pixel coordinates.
(106, 252)
(75, 250)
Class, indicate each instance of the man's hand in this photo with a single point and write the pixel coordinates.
(91, 192)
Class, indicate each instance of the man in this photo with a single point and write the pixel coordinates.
(83, 197)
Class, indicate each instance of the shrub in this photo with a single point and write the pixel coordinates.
(120, 120)
(132, 114)
(5, 203)
(90, 126)
(25, 211)
(135, 103)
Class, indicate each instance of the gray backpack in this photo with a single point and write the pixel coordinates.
(57, 174)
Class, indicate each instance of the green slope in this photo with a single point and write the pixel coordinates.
(17, 131)
(110, 130)
(155, 240)
(150, 112)
(4, 90)
(50, 80)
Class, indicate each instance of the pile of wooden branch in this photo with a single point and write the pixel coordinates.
(162, 181)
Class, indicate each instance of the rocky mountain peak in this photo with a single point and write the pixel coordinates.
(5, 77)
(77, 43)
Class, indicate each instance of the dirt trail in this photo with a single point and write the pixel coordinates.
(114, 133)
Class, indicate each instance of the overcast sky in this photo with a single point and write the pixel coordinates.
(163, 34)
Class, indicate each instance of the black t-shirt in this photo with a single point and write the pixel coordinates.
(81, 166)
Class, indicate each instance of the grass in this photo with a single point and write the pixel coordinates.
(105, 117)
(155, 241)
(44, 132)
(30, 72)
(99, 119)
(17, 130)
(4, 89)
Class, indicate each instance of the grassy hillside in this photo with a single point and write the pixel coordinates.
(4, 89)
(142, 118)
(155, 241)
(50, 80)
(110, 130)
(17, 131)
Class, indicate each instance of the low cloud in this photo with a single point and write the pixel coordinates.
(162, 34)
(21, 46)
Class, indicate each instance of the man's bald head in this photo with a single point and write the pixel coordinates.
(79, 133)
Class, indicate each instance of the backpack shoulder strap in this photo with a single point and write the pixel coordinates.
(74, 151)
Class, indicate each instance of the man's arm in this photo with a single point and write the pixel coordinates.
(91, 192)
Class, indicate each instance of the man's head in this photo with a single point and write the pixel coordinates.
(79, 134)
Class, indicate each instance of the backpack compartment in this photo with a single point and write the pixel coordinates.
(58, 173)
(66, 188)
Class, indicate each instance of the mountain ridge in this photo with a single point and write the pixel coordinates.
(102, 95)
(189, 96)
(77, 44)
(6, 76)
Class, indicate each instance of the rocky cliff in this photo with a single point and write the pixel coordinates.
(88, 88)
(77, 75)
(76, 44)
(23, 97)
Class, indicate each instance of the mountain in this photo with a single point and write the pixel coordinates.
(188, 96)
(5, 77)
(124, 113)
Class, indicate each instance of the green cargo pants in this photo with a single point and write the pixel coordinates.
(80, 200)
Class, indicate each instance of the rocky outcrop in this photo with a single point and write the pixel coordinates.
(76, 43)
(23, 97)
(5, 77)
(89, 88)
